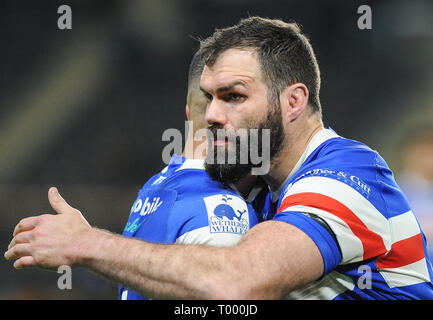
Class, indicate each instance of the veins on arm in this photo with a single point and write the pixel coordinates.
(272, 259)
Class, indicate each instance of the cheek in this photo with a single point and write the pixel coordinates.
(251, 112)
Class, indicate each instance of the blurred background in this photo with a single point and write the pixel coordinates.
(84, 109)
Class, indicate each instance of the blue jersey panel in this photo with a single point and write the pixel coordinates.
(182, 204)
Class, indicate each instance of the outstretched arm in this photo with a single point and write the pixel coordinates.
(272, 259)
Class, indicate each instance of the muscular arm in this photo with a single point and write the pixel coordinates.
(272, 259)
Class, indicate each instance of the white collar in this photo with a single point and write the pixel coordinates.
(319, 138)
(192, 164)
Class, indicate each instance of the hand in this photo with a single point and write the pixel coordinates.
(50, 240)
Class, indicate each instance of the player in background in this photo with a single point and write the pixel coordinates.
(182, 204)
(416, 178)
(342, 228)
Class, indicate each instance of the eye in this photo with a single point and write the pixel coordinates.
(233, 97)
(208, 96)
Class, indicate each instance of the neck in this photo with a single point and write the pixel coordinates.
(245, 185)
(296, 142)
(195, 149)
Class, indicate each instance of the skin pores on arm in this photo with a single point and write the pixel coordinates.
(272, 259)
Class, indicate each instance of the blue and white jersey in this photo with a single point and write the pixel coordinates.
(183, 205)
(344, 197)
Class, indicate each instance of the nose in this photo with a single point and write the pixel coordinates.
(216, 113)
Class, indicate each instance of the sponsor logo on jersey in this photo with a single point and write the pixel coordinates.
(159, 180)
(133, 226)
(147, 207)
(347, 178)
(227, 214)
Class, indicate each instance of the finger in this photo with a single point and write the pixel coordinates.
(26, 224)
(22, 237)
(25, 262)
(18, 251)
(57, 202)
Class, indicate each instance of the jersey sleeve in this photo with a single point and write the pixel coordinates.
(344, 202)
(218, 220)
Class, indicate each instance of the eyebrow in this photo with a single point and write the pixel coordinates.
(227, 87)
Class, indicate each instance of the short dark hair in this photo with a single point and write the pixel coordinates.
(195, 69)
(195, 98)
(285, 54)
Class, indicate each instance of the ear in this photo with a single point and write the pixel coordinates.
(294, 101)
(187, 112)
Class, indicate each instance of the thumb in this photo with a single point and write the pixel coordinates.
(57, 202)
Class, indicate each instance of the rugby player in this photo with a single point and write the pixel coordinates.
(342, 228)
(182, 204)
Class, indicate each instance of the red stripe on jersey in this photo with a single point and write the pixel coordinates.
(402, 253)
(372, 242)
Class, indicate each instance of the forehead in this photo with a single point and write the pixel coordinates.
(232, 65)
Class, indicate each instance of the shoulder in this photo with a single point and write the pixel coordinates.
(351, 188)
(342, 165)
(342, 152)
(203, 203)
(351, 172)
(198, 196)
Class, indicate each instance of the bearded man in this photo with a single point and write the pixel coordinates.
(341, 227)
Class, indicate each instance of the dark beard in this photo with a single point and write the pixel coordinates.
(229, 173)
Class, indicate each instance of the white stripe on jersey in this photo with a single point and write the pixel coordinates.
(203, 236)
(192, 164)
(328, 288)
(413, 273)
(404, 226)
(319, 138)
(354, 201)
(394, 230)
(124, 295)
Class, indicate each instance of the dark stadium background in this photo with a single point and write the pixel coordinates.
(85, 109)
